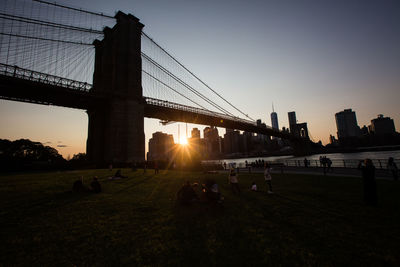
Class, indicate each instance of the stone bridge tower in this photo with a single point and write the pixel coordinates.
(116, 122)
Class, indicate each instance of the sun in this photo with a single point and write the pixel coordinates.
(183, 141)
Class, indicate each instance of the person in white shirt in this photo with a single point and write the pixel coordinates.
(254, 187)
(267, 177)
(233, 180)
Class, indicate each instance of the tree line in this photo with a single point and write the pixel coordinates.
(24, 154)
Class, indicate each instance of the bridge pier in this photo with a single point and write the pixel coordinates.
(116, 124)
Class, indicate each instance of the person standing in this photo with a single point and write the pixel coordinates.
(305, 162)
(392, 167)
(369, 183)
(267, 177)
(155, 167)
(233, 180)
(329, 163)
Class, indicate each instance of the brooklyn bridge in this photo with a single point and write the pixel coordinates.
(52, 54)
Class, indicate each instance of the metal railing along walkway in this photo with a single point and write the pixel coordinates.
(35, 76)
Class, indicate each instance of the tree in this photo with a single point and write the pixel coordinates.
(24, 154)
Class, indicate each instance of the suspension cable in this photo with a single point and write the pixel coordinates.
(75, 9)
(47, 23)
(186, 85)
(166, 85)
(45, 39)
(197, 78)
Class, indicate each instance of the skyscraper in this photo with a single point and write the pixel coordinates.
(382, 125)
(195, 133)
(274, 119)
(346, 123)
(160, 146)
(292, 122)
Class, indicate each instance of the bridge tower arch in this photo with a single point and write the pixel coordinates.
(116, 123)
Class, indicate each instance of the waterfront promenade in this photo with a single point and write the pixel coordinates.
(336, 171)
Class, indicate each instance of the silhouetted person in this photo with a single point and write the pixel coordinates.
(233, 180)
(155, 167)
(78, 187)
(392, 167)
(369, 183)
(323, 162)
(118, 174)
(268, 177)
(186, 194)
(95, 185)
(305, 162)
(329, 163)
(210, 188)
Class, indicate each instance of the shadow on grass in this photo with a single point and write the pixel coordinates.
(192, 232)
(44, 204)
(134, 184)
(214, 235)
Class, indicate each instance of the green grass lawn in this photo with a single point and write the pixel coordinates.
(310, 220)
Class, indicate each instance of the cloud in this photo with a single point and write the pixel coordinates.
(62, 146)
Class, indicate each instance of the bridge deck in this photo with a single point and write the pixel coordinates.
(23, 85)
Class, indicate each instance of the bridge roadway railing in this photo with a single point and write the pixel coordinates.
(35, 76)
(176, 106)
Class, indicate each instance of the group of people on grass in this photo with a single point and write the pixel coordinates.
(79, 187)
(209, 191)
(234, 181)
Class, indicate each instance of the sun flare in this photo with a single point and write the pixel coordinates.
(183, 141)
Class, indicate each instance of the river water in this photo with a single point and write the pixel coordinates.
(338, 159)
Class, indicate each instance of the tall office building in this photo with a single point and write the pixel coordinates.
(195, 133)
(274, 119)
(160, 146)
(382, 125)
(292, 122)
(212, 140)
(346, 123)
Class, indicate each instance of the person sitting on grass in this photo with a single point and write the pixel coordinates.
(186, 195)
(95, 185)
(253, 187)
(118, 175)
(78, 186)
(210, 188)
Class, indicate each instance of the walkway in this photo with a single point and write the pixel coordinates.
(348, 172)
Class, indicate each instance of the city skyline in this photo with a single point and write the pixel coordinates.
(344, 56)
